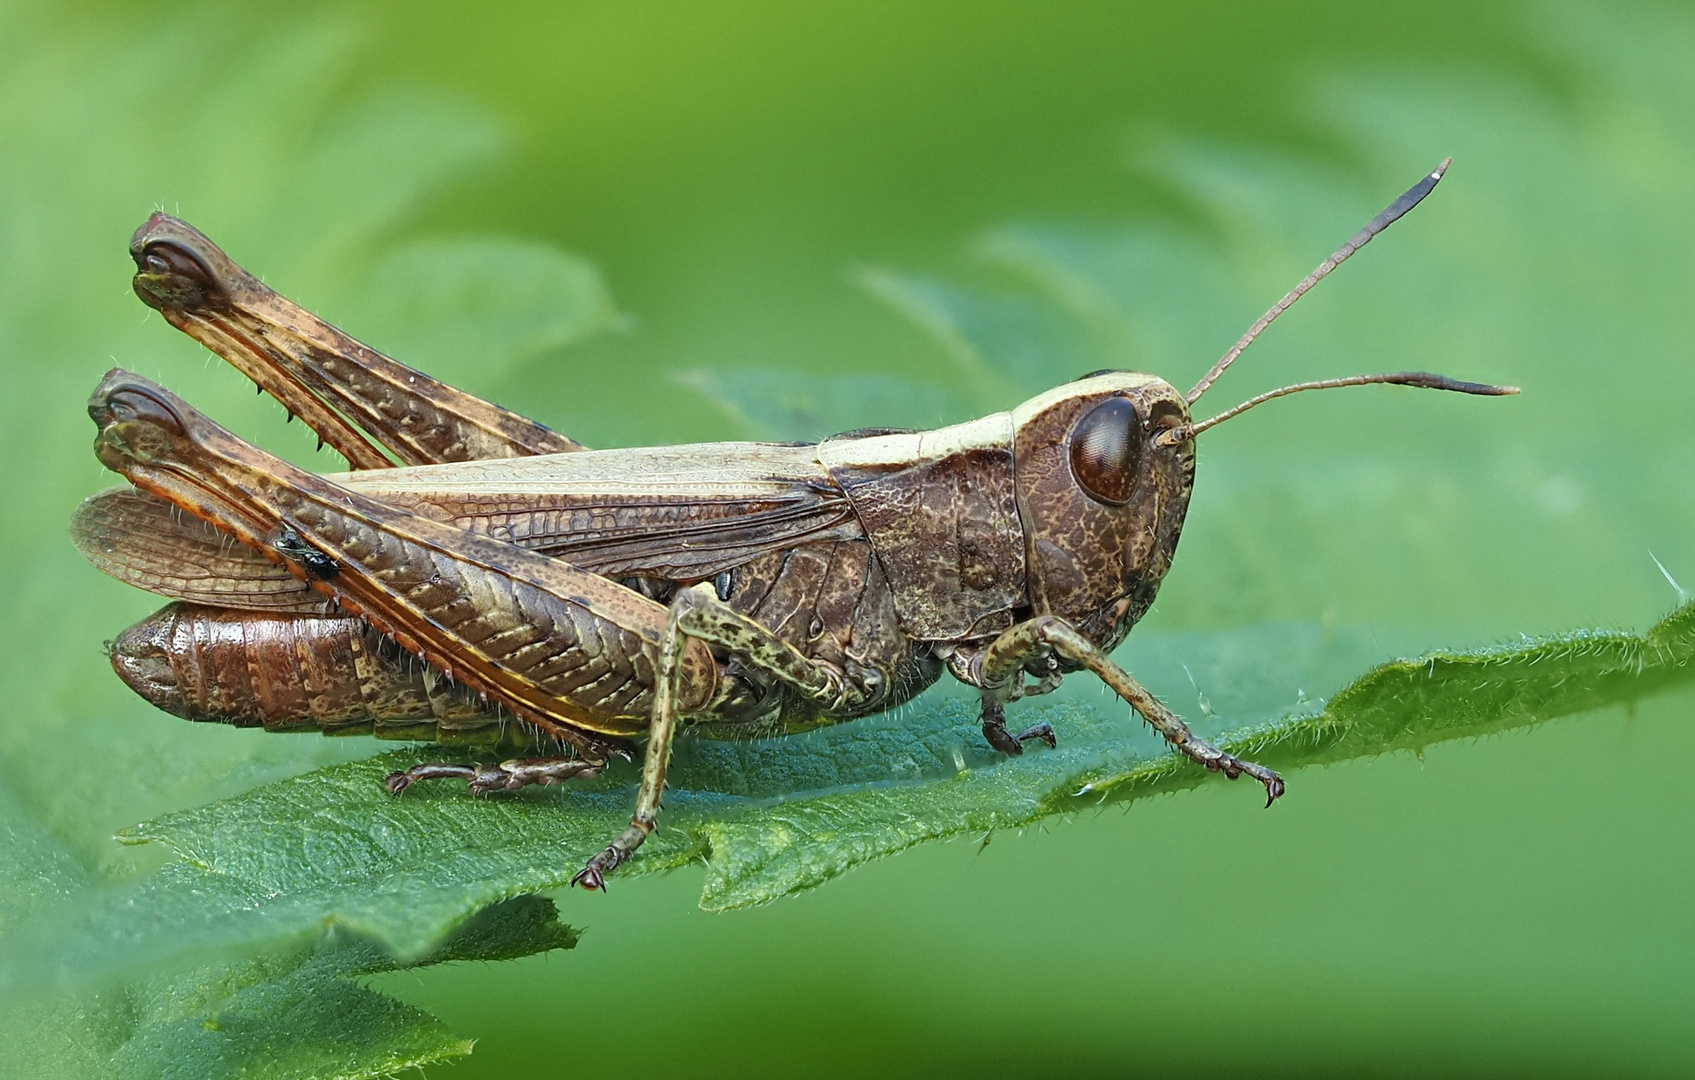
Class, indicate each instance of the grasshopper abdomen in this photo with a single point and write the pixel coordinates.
(287, 672)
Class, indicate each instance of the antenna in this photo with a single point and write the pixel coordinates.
(1422, 379)
(1413, 196)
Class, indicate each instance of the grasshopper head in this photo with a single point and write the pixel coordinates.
(1102, 498)
(1105, 464)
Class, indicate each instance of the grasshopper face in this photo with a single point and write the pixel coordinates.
(1100, 498)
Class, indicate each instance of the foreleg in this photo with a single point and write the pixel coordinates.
(1005, 659)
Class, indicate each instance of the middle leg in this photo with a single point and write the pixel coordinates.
(697, 614)
(661, 732)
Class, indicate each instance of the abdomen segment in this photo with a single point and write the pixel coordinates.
(288, 672)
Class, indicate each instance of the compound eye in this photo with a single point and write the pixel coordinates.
(1106, 450)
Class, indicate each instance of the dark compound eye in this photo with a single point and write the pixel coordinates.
(1106, 449)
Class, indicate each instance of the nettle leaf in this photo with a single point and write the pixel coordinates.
(287, 1014)
(290, 1014)
(468, 309)
(772, 818)
(800, 405)
(301, 1014)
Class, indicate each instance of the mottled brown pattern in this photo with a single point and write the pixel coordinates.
(830, 630)
(787, 609)
(566, 649)
(651, 512)
(865, 561)
(831, 602)
(940, 512)
(754, 578)
(558, 646)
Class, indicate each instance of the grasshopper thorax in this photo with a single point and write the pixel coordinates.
(1101, 498)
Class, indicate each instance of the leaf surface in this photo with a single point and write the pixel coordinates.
(773, 818)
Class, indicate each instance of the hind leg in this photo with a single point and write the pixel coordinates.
(340, 387)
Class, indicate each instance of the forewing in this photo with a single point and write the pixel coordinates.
(144, 541)
(677, 513)
(682, 513)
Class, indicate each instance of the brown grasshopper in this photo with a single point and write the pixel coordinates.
(739, 589)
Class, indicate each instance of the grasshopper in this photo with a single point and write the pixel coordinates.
(738, 589)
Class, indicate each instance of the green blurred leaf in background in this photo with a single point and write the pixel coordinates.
(729, 221)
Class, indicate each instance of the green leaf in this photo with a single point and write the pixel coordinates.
(292, 1014)
(300, 1014)
(776, 817)
(466, 310)
(783, 405)
(289, 1014)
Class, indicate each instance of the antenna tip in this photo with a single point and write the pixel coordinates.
(1442, 382)
(1442, 168)
(1482, 389)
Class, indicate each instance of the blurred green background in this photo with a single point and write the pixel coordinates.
(815, 217)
